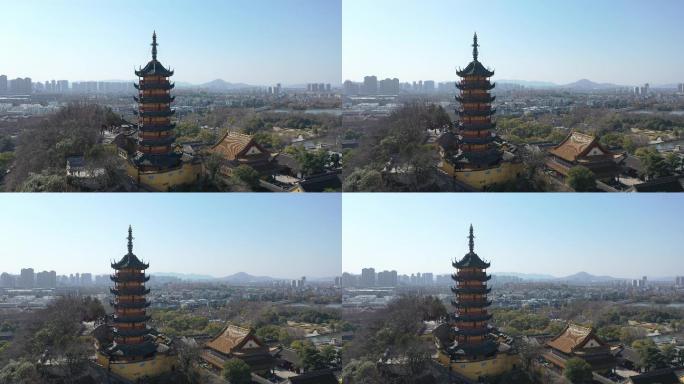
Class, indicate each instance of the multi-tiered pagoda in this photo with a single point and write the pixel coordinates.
(471, 325)
(155, 129)
(472, 153)
(475, 128)
(131, 335)
(467, 344)
(125, 344)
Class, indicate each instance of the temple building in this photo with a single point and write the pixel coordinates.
(157, 164)
(579, 149)
(471, 347)
(125, 345)
(576, 341)
(239, 343)
(239, 149)
(473, 154)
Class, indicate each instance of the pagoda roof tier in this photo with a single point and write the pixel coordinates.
(475, 68)
(148, 86)
(129, 278)
(477, 140)
(471, 303)
(157, 142)
(471, 85)
(471, 290)
(481, 112)
(130, 332)
(130, 319)
(130, 304)
(156, 128)
(485, 348)
(471, 260)
(471, 276)
(475, 126)
(163, 113)
(154, 68)
(472, 331)
(129, 350)
(126, 291)
(169, 160)
(155, 99)
(468, 318)
(465, 98)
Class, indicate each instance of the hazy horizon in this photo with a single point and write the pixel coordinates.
(257, 42)
(276, 235)
(623, 236)
(629, 43)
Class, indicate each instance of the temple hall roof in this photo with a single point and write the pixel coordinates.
(233, 145)
(577, 145)
(231, 338)
(572, 338)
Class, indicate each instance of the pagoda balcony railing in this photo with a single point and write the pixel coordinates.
(155, 99)
(157, 141)
(471, 303)
(156, 127)
(131, 319)
(163, 86)
(483, 112)
(136, 304)
(158, 113)
(469, 85)
(467, 126)
(133, 277)
(472, 98)
(129, 291)
(478, 140)
(472, 332)
(475, 276)
(130, 332)
(473, 317)
(472, 290)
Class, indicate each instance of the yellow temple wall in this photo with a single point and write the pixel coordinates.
(481, 178)
(162, 181)
(497, 365)
(156, 366)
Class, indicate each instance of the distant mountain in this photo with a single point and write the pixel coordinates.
(584, 277)
(588, 85)
(527, 276)
(243, 278)
(222, 85)
(529, 84)
(184, 276)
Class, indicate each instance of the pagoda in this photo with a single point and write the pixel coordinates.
(125, 344)
(472, 151)
(467, 343)
(156, 164)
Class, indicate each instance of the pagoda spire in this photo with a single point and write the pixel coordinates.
(154, 45)
(130, 240)
(475, 45)
(471, 239)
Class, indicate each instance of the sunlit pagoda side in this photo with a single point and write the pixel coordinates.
(472, 153)
(468, 344)
(125, 345)
(157, 164)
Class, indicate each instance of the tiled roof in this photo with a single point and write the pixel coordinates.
(233, 144)
(573, 337)
(576, 145)
(232, 337)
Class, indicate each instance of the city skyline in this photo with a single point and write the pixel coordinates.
(202, 234)
(523, 40)
(260, 42)
(517, 234)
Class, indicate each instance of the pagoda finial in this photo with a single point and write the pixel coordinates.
(154, 45)
(130, 240)
(471, 238)
(475, 45)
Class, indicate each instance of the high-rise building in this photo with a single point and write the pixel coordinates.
(428, 86)
(370, 85)
(680, 87)
(21, 86)
(7, 280)
(46, 279)
(3, 85)
(367, 277)
(351, 88)
(387, 279)
(27, 278)
(63, 86)
(389, 87)
(348, 280)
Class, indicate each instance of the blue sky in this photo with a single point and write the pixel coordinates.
(624, 42)
(278, 235)
(259, 42)
(622, 235)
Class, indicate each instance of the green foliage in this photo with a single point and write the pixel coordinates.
(361, 371)
(578, 371)
(651, 357)
(657, 165)
(581, 179)
(244, 174)
(44, 182)
(610, 332)
(182, 323)
(6, 144)
(6, 159)
(19, 372)
(364, 180)
(518, 322)
(237, 372)
(312, 162)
